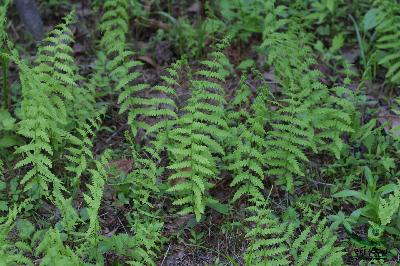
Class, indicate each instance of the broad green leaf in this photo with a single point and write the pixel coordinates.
(370, 20)
(9, 141)
(7, 122)
(246, 64)
(369, 177)
(219, 207)
(388, 163)
(330, 4)
(350, 193)
(25, 228)
(3, 206)
(2, 185)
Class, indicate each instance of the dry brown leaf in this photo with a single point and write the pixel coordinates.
(123, 165)
(147, 59)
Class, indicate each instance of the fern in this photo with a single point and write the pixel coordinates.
(99, 175)
(70, 218)
(198, 137)
(332, 118)
(46, 89)
(248, 135)
(388, 41)
(12, 253)
(162, 107)
(80, 153)
(120, 64)
(54, 64)
(56, 67)
(131, 98)
(389, 209)
(55, 252)
(274, 19)
(273, 241)
(139, 248)
(3, 20)
(309, 116)
(291, 133)
(39, 120)
(142, 246)
(114, 26)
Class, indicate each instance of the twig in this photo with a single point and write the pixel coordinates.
(116, 132)
(119, 220)
(165, 254)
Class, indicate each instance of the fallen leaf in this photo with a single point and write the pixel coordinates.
(194, 8)
(147, 59)
(393, 121)
(123, 165)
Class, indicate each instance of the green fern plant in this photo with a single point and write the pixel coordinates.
(79, 154)
(93, 201)
(114, 26)
(12, 253)
(131, 98)
(4, 60)
(39, 119)
(56, 67)
(55, 252)
(388, 43)
(3, 19)
(274, 19)
(309, 116)
(140, 248)
(47, 90)
(120, 63)
(197, 138)
(248, 134)
(274, 242)
(161, 106)
(143, 244)
(292, 133)
(389, 208)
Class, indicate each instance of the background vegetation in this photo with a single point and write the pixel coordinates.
(228, 132)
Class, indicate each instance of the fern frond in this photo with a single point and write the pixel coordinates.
(40, 120)
(197, 138)
(3, 20)
(79, 154)
(388, 41)
(93, 201)
(274, 242)
(54, 63)
(310, 116)
(48, 91)
(248, 143)
(268, 236)
(388, 208)
(12, 253)
(55, 252)
(114, 26)
(139, 249)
